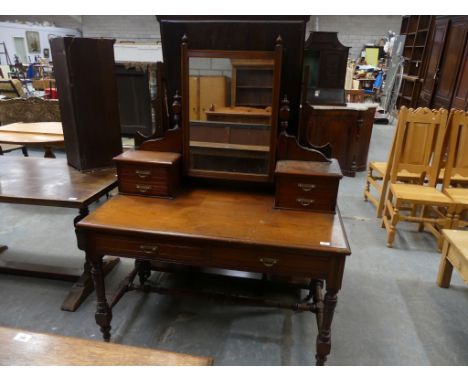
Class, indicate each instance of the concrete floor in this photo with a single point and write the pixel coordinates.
(390, 310)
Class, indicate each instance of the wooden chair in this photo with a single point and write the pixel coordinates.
(417, 198)
(378, 174)
(456, 167)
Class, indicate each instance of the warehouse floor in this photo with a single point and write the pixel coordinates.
(390, 310)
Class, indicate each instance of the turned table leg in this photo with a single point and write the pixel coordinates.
(103, 314)
(324, 335)
(83, 287)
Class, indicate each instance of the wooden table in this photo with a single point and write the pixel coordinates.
(47, 182)
(25, 348)
(209, 227)
(37, 134)
(454, 255)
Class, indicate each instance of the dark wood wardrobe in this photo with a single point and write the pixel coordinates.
(446, 80)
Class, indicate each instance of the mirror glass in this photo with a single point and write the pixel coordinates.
(230, 111)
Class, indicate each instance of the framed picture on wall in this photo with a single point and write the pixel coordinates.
(32, 39)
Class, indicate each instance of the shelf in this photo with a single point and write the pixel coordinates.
(254, 87)
(229, 146)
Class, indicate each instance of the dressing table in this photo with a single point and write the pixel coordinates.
(232, 194)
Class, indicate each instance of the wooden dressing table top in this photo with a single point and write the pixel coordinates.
(236, 217)
(51, 182)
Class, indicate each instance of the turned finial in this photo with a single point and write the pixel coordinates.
(185, 39)
(279, 40)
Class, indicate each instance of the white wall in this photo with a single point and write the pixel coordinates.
(355, 31)
(10, 30)
(132, 27)
(137, 52)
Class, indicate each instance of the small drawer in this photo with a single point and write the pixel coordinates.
(311, 193)
(141, 172)
(143, 188)
(148, 173)
(307, 185)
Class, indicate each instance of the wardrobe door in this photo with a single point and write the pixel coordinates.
(460, 98)
(451, 62)
(436, 50)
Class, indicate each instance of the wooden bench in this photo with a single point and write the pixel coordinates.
(25, 348)
(454, 255)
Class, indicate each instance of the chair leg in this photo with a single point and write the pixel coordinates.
(24, 149)
(393, 222)
(367, 187)
(422, 215)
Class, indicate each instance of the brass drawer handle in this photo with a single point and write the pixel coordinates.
(306, 186)
(150, 249)
(143, 173)
(305, 202)
(268, 261)
(143, 187)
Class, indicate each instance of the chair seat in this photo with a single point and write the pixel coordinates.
(381, 167)
(455, 178)
(458, 195)
(419, 194)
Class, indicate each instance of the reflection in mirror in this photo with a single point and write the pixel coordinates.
(230, 114)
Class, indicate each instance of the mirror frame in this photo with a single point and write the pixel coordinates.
(276, 56)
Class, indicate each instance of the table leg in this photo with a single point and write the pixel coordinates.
(48, 153)
(103, 313)
(324, 336)
(83, 287)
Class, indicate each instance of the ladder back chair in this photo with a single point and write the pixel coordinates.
(426, 129)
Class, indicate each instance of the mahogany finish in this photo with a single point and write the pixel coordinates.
(252, 33)
(235, 229)
(87, 88)
(149, 173)
(347, 130)
(51, 182)
(303, 185)
(446, 80)
(25, 348)
(220, 218)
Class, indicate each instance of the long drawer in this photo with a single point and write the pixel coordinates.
(227, 256)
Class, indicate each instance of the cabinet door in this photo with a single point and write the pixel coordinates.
(460, 98)
(212, 92)
(451, 62)
(436, 50)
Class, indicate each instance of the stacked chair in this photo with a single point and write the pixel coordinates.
(429, 148)
(378, 174)
(418, 199)
(456, 167)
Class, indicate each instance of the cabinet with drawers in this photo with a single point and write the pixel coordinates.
(305, 185)
(149, 173)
